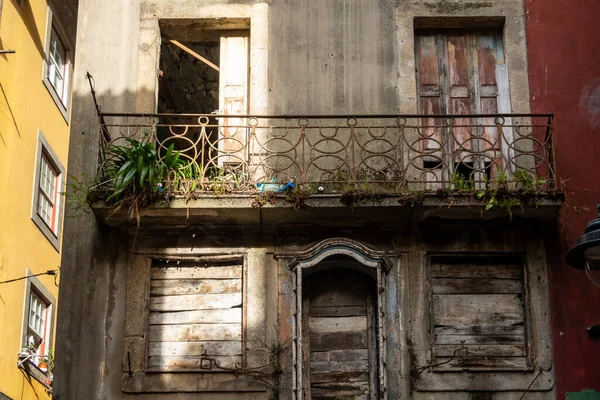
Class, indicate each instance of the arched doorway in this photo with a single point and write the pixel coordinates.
(340, 354)
(339, 336)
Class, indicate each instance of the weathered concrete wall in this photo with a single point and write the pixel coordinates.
(564, 67)
(90, 323)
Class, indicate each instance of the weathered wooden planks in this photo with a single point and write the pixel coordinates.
(195, 311)
(337, 334)
(481, 350)
(476, 304)
(195, 302)
(167, 287)
(339, 366)
(338, 341)
(482, 319)
(197, 272)
(338, 324)
(507, 271)
(479, 329)
(480, 308)
(340, 355)
(479, 339)
(194, 333)
(338, 311)
(483, 362)
(216, 316)
(228, 348)
(189, 362)
(476, 286)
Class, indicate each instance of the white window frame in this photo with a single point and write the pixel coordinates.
(62, 98)
(51, 231)
(34, 285)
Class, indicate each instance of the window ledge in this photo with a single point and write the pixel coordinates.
(32, 370)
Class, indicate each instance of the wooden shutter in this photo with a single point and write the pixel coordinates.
(456, 74)
(195, 311)
(233, 99)
(478, 312)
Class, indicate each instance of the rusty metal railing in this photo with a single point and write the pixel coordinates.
(396, 152)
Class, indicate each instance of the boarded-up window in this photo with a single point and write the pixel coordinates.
(195, 320)
(478, 312)
(461, 72)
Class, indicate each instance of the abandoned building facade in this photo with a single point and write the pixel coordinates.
(361, 211)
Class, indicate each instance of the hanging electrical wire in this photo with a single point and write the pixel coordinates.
(52, 272)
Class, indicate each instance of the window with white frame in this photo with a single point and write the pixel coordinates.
(48, 193)
(38, 321)
(46, 210)
(57, 64)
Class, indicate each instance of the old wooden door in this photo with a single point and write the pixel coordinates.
(233, 100)
(340, 351)
(462, 72)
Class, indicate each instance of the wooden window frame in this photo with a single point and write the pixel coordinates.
(46, 155)
(515, 259)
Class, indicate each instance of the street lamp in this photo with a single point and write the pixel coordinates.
(586, 253)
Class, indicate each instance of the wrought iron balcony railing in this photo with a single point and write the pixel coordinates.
(393, 152)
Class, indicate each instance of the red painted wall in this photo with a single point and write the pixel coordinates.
(563, 41)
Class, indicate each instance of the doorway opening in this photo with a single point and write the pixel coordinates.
(204, 69)
(339, 331)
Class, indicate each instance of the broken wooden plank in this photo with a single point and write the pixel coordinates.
(482, 362)
(496, 350)
(503, 271)
(337, 324)
(339, 366)
(479, 339)
(195, 302)
(476, 286)
(319, 377)
(338, 311)
(338, 341)
(217, 316)
(193, 53)
(479, 330)
(197, 333)
(340, 355)
(482, 319)
(160, 287)
(197, 272)
(457, 304)
(190, 362)
(211, 348)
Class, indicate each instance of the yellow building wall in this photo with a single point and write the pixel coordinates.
(25, 106)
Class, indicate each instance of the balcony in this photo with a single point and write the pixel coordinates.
(233, 163)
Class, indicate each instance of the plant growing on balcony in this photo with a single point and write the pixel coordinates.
(136, 168)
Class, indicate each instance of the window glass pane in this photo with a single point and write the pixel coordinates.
(37, 315)
(56, 63)
(47, 188)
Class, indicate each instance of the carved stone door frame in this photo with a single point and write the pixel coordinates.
(377, 262)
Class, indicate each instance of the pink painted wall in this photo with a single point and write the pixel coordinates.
(563, 40)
